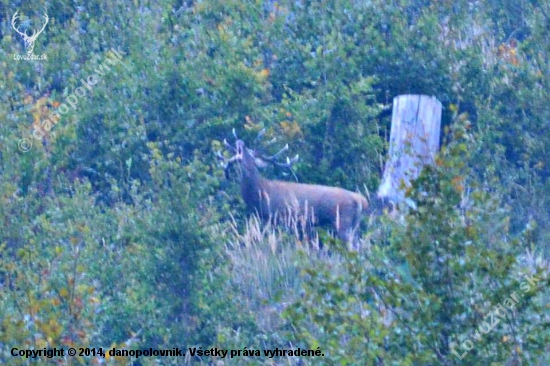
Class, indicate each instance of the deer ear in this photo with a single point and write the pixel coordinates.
(260, 163)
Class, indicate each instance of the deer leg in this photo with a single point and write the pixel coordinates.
(346, 235)
(346, 230)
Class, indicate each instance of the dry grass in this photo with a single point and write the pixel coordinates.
(266, 264)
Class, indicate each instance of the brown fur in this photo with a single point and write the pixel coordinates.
(332, 207)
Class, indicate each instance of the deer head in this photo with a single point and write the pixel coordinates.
(29, 40)
(276, 200)
(252, 159)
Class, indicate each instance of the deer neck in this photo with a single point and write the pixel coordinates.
(251, 184)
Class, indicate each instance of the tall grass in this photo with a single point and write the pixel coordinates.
(267, 261)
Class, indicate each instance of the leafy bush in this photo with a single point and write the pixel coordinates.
(117, 228)
(415, 300)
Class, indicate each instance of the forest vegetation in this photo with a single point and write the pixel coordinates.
(119, 228)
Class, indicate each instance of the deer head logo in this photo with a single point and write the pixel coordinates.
(29, 40)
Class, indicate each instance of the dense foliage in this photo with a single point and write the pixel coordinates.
(119, 228)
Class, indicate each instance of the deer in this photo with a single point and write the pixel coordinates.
(29, 40)
(276, 201)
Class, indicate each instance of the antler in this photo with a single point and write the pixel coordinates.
(260, 159)
(289, 162)
(44, 26)
(271, 159)
(260, 135)
(24, 34)
(225, 162)
(13, 20)
(228, 145)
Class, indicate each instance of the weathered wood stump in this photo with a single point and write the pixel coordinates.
(414, 141)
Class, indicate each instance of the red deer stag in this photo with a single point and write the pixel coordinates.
(275, 200)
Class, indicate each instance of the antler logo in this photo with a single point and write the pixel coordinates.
(29, 40)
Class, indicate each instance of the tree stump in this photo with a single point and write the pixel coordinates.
(414, 142)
